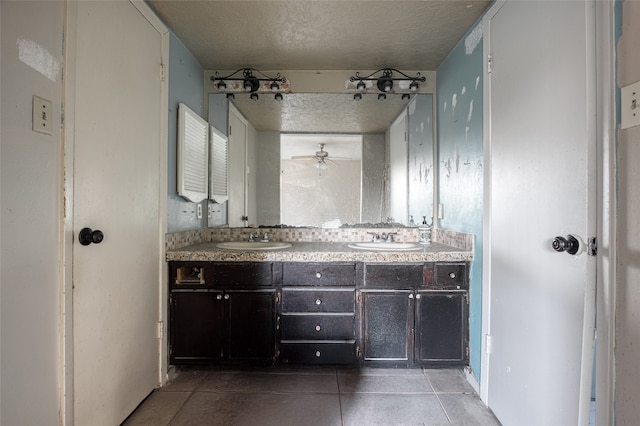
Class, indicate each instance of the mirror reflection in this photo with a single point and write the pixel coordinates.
(395, 167)
(321, 183)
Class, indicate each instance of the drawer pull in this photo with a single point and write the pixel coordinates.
(317, 354)
(318, 302)
(318, 328)
(318, 275)
(452, 275)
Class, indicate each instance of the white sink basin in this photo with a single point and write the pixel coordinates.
(386, 246)
(246, 245)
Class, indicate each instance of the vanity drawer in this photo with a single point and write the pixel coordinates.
(336, 326)
(398, 276)
(240, 274)
(451, 276)
(319, 274)
(318, 352)
(314, 300)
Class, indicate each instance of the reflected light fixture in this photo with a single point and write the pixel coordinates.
(250, 80)
(321, 165)
(254, 96)
(385, 82)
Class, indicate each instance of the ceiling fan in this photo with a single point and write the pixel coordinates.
(320, 158)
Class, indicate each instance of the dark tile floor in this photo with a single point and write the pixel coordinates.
(312, 396)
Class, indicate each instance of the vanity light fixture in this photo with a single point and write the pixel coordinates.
(254, 96)
(385, 82)
(250, 80)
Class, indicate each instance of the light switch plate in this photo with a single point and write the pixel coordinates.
(42, 115)
(630, 105)
(199, 211)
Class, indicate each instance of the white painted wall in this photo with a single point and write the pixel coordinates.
(628, 222)
(31, 215)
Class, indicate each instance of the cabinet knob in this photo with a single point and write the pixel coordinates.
(226, 297)
(411, 296)
(452, 275)
(219, 297)
(417, 296)
(318, 328)
(318, 275)
(317, 354)
(318, 302)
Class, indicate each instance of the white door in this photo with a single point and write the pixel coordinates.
(116, 131)
(237, 169)
(541, 185)
(398, 170)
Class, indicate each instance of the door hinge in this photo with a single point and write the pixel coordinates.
(358, 297)
(466, 297)
(489, 64)
(160, 330)
(488, 343)
(163, 72)
(592, 246)
(466, 352)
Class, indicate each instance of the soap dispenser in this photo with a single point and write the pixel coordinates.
(425, 232)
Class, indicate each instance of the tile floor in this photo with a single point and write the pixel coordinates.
(312, 396)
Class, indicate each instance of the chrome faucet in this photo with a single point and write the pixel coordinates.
(388, 238)
(375, 238)
(253, 237)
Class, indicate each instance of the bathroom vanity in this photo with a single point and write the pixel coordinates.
(319, 303)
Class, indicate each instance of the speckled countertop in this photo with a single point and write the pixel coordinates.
(319, 252)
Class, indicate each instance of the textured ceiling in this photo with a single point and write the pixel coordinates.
(320, 35)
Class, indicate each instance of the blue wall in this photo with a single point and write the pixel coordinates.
(186, 85)
(460, 162)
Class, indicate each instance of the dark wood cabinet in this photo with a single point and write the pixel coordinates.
(222, 311)
(318, 313)
(196, 326)
(441, 327)
(379, 314)
(387, 322)
(407, 317)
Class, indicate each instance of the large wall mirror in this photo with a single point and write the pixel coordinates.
(307, 118)
(321, 180)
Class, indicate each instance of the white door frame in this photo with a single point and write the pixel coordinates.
(605, 122)
(66, 298)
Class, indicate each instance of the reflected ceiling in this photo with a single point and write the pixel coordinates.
(320, 35)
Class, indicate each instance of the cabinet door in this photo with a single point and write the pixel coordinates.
(197, 326)
(441, 329)
(251, 324)
(387, 322)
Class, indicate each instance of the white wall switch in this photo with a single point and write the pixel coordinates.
(440, 211)
(42, 115)
(630, 105)
(199, 211)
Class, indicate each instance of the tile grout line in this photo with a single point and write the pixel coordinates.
(339, 397)
(437, 396)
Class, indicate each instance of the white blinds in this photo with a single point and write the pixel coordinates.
(193, 168)
(218, 167)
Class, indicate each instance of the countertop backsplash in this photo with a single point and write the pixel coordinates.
(176, 240)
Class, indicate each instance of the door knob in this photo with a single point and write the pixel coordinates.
(569, 244)
(88, 236)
